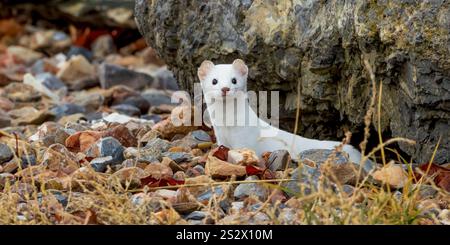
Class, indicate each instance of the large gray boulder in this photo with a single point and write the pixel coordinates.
(318, 47)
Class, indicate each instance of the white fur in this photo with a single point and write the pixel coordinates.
(252, 135)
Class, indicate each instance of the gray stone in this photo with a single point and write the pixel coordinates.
(319, 156)
(40, 66)
(20, 92)
(398, 195)
(200, 169)
(103, 46)
(178, 157)
(75, 50)
(255, 207)
(348, 189)
(319, 46)
(137, 101)
(112, 75)
(28, 160)
(157, 97)
(152, 204)
(153, 117)
(100, 164)
(196, 215)
(110, 146)
(84, 83)
(192, 139)
(153, 150)
(51, 81)
(201, 135)
(6, 153)
(67, 109)
(90, 101)
(425, 191)
(251, 189)
(278, 160)
(164, 79)
(305, 176)
(225, 205)
(128, 110)
(207, 195)
(59, 196)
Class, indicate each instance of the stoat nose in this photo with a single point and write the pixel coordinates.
(225, 90)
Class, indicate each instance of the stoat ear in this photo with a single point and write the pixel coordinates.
(204, 69)
(240, 66)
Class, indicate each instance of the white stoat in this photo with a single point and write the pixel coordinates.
(225, 86)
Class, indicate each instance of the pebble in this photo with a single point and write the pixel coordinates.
(110, 146)
(172, 164)
(50, 39)
(103, 46)
(154, 118)
(157, 97)
(44, 66)
(101, 163)
(46, 86)
(28, 160)
(150, 203)
(164, 80)
(90, 101)
(200, 169)
(59, 196)
(251, 189)
(287, 216)
(319, 156)
(236, 207)
(167, 194)
(178, 157)
(75, 50)
(220, 169)
(303, 175)
(128, 110)
(207, 195)
(5, 119)
(75, 68)
(278, 160)
(392, 175)
(154, 149)
(136, 101)
(20, 92)
(112, 75)
(23, 54)
(158, 171)
(243, 156)
(196, 215)
(6, 153)
(129, 176)
(67, 109)
(51, 81)
(425, 191)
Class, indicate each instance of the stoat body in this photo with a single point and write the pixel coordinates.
(225, 89)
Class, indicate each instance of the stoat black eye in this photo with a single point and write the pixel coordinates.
(214, 81)
(234, 81)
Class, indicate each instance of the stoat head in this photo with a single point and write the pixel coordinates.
(225, 80)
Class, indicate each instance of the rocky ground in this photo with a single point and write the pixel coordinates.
(86, 138)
